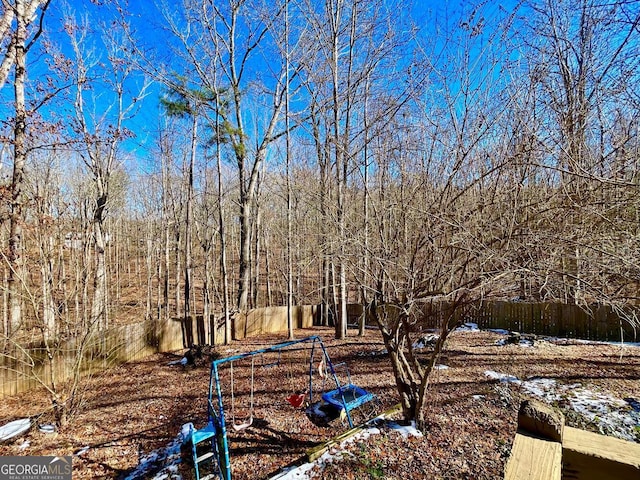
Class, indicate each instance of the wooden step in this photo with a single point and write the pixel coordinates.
(534, 458)
(588, 456)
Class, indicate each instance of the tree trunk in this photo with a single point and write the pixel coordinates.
(16, 215)
(288, 183)
(99, 304)
(244, 272)
(189, 221)
(223, 246)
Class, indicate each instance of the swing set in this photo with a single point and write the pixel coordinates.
(344, 397)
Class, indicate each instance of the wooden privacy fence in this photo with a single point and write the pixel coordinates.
(21, 367)
(272, 320)
(197, 331)
(598, 322)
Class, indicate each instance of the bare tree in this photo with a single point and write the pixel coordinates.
(17, 37)
(442, 205)
(182, 102)
(100, 136)
(217, 45)
(352, 42)
(584, 64)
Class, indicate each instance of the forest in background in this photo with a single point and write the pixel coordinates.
(206, 158)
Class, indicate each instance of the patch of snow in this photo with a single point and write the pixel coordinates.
(503, 377)
(360, 436)
(47, 428)
(82, 451)
(441, 367)
(183, 361)
(477, 397)
(468, 327)
(405, 430)
(544, 388)
(301, 472)
(501, 331)
(611, 415)
(523, 342)
(569, 341)
(375, 353)
(426, 341)
(295, 473)
(24, 445)
(162, 464)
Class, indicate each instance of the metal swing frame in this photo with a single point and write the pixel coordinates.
(217, 412)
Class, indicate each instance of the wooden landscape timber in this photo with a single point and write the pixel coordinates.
(544, 448)
(534, 458)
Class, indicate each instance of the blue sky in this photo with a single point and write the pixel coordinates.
(147, 21)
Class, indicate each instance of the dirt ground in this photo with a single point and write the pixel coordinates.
(134, 409)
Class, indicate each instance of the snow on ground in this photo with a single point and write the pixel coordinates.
(405, 430)
(162, 464)
(598, 342)
(82, 451)
(500, 331)
(468, 327)
(375, 353)
(428, 340)
(555, 340)
(503, 377)
(523, 342)
(335, 453)
(611, 415)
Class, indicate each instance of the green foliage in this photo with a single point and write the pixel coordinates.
(175, 108)
(182, 101)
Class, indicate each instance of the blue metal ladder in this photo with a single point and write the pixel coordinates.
(204, 448)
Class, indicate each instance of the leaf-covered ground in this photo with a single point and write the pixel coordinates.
(133, 413)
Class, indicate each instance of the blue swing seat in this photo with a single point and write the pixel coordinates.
(354, 397)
